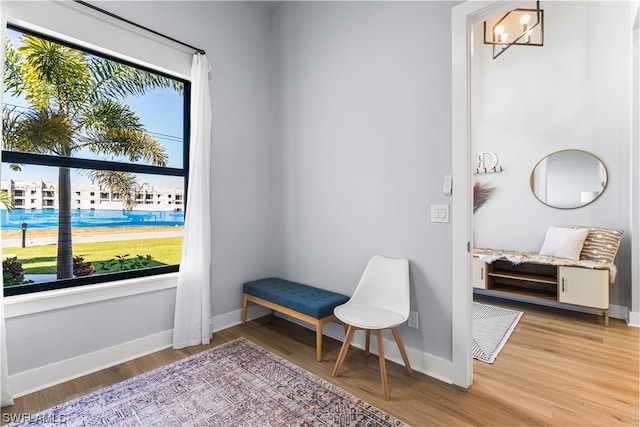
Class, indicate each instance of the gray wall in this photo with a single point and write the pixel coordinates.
(364, 133)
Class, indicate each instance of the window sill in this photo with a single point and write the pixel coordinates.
(21, 305)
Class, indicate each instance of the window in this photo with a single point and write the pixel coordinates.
(113, 129)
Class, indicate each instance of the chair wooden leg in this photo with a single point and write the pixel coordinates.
(383, 365)
(245, 302)
(343, 350)
(396, 334)
(367, 341)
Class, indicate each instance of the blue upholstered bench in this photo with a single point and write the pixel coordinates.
(302, 302)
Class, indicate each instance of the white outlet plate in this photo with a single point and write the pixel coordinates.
(412, 321)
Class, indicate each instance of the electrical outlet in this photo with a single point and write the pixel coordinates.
(412, 322)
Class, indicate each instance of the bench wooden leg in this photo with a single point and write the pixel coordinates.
(319, 323)
(245, 303)
(319, 341)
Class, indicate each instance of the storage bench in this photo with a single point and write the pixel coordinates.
(545, 280)
(302, 302)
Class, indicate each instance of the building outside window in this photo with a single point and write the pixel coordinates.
(117, 138)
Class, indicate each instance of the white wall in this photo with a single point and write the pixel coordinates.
(573, 93)
(364, 134)
(236, 37)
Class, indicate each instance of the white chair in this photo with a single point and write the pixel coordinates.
(380, 301)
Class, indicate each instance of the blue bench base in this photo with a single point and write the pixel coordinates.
(302, 302)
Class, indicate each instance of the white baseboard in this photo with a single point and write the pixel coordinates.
(425, 363)
(27, 382)
(233, 318)
(634, 319)
(40, 378)
(428, 364)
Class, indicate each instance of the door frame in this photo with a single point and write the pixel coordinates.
(463, 17)
(634, 311)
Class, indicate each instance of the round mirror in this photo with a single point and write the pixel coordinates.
(568, 179)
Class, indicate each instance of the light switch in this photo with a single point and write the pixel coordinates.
(447, 185)
(439, 213)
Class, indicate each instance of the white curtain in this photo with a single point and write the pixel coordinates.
(5, 394)
(193, 298)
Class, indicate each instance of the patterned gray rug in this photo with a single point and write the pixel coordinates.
(491, 328)
(234, 384)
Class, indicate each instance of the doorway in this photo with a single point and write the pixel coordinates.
(464, 17)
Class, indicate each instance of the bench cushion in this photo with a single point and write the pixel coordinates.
(306, 299)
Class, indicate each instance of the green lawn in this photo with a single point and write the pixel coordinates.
(42, 259)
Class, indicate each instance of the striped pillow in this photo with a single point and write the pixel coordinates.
(601, 244)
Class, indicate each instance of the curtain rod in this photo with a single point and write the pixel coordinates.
(200, 51)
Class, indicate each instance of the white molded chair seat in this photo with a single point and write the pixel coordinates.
(366, 316)
(380, 301)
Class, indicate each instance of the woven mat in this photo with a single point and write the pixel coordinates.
(491, 328)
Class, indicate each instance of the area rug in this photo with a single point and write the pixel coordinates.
(491, 328)
(235, 384)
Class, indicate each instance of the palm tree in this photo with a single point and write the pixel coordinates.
(77, 103)
(7, 200)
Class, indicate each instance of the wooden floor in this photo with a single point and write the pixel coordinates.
(558, 368)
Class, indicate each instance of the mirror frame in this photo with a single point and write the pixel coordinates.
(533, 171)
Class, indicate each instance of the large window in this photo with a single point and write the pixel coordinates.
(94, 167)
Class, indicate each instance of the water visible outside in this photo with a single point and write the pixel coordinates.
(82, 218)
(154, 235)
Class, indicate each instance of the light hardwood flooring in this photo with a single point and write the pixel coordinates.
(559, 368)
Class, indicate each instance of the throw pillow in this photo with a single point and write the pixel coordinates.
(601, 244)
(564, 242)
